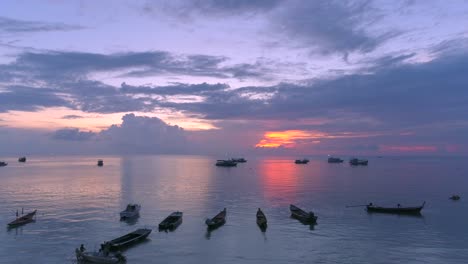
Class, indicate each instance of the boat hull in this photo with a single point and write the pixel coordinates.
(97, 257)
(128, 239)
(394, 210)
(302, 215)
(217, 221)
(171, 222)
(262, 220)
(25, 219)
(126, 214)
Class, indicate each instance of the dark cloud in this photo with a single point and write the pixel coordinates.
(394, 95)
(174, 89)
(72, 134)
(23, 98)
(72, 117)
(10, 25)
(56, 65)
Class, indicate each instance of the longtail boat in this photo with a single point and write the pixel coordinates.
(27, 218)
(128, 239)
(261, 220)
(218, 220)
(395, 210)
(302, 215)
(172, 221)
(98, 257)
(357, 162)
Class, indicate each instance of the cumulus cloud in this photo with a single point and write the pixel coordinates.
(72, 134)
(140, 134)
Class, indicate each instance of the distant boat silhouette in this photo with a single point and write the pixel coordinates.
(356, 162)
(22, 159)
(334, 160)
(303, 161)
(239, 160)
(395, 210)
(226, 163)
(100, 163)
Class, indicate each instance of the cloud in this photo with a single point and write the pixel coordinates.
(144, 135)
(330, 26)
(72, 134)
(72, 117)
(56, 65)
(11, 25)
(16, 97)
(325, 27)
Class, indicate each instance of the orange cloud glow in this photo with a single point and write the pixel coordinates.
(292, 138)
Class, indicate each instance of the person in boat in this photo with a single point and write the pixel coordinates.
(370, 204)
(398, 205)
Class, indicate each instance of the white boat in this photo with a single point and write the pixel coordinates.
(132, 210)
(99, 257)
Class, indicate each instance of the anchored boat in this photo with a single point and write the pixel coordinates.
(239, 160)
(303, 161)
(395, 210)
(217, 221)
(226, 163)
(172, 221)
(131, 211)
(334, 160)
(261, 220)
(27, 218)
(356, 162)
(303, 216)
(99, 257)
(128, 239)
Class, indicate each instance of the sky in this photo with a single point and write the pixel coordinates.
(234, 78)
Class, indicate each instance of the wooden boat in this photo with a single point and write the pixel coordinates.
(334, 160)
(22, 159)
(3, 164)
(131, 211)
(303, 161)
(218, 220)
(239, 160)
(395, 210)
(27, 218)
(99, 257)
(356, 162)
(172, 221)
(261, 219)
(100, 163)
(226, 163)
(455, 197)
(128, 239)
(302, 215)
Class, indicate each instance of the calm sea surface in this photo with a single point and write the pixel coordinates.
(78, 202)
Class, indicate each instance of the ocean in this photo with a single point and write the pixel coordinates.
(79, 203)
